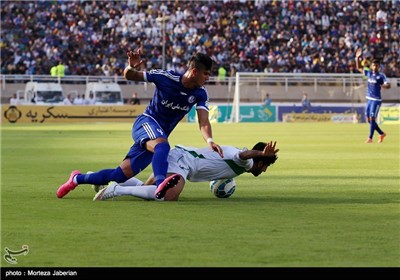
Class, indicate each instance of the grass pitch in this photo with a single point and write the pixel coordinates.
(329, 201)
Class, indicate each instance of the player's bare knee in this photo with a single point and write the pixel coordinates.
(173, 193)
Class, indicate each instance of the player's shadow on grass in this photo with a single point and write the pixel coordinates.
(311, 198)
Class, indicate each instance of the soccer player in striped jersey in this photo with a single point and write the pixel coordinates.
(376, 81)
(175, 94)
(197, 165)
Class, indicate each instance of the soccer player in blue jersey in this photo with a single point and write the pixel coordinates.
(376, 81)
(175, 94)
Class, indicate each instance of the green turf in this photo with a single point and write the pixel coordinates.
(329, 201)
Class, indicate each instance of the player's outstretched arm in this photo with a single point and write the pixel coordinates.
(206, 131)
(359, 67)
(269, 150)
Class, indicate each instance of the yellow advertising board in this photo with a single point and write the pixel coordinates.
(70, 114)
(319, 117)
(390, 115)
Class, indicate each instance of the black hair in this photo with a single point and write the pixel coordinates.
(201, 60)
(376, 61)
(267, 160)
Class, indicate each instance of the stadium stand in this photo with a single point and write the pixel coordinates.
(245, 36)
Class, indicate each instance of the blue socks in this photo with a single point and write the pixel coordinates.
(103, 177)
(374, 126)
(159, 162)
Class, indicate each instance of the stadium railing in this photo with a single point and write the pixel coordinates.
(282, 87)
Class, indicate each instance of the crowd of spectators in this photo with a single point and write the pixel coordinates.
(92, 37)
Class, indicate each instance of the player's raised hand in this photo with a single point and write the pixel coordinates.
(134, 59)
(270, 149)
(358, 52)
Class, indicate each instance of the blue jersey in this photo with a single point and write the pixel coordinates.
(375, 81)
(171, 100)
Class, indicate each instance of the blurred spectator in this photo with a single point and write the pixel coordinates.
(14, 100)
(60, 69)
(106, 69)
(79, 100)
(53, 71)
(267, 101)
(305, 102)
(91, 100)
(134, 100)
(68, 100)
(221, 75)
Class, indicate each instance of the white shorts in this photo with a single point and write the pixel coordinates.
(180, 162)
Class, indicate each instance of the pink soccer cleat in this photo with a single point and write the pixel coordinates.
(168, 183)
(68, 186)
